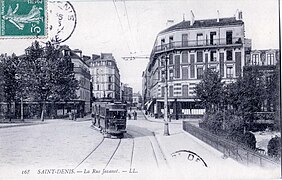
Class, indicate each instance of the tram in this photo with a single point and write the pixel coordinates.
(109, 117)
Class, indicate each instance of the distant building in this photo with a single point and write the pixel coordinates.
(105, 76)
(137, 100)
(191, 47)
(268, 57)
(126, 94)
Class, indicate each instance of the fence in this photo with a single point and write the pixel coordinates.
(236, 151)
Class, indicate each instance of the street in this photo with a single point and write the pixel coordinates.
(75, 149)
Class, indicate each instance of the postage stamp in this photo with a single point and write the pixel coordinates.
(23, 18)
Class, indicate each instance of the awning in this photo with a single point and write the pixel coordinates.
(148, 104)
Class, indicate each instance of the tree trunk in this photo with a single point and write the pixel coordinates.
(9, 111)
(42, 111)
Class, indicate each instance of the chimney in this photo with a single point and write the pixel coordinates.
(217, 20)
(238, 15)
(192, 18)
(169, 22)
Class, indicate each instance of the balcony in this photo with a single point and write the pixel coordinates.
(223, 42)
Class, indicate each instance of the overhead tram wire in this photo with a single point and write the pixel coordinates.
(129, 26)
(120, 24)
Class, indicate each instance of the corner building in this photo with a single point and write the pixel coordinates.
(105, 76)
(191, 47)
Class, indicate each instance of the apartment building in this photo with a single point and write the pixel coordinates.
(266, 64)
(82, 74)
(191, 47)
(105, 76)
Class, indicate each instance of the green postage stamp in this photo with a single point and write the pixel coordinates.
(23, 18)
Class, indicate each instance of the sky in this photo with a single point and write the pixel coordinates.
(123, 27)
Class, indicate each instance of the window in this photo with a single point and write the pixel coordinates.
(185, 57)
(192, 67)
(185, 91)
(213, 56)
(170, 91)
(229, 55)
(170, 62)
(200, 73)
(97, 87)
(229, 72)
(170, 41)
(184, 40)
(110, 79)
(170, 74)
(200, 39)
(229, 37)
(162, 75)
(184, 72)
(270, 59)
(255, 59)
(162, 92)
(199, 56)
(177, 66)
(109, 87)
(212, 35)
(162, 44)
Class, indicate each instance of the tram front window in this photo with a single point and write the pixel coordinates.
(117, 114)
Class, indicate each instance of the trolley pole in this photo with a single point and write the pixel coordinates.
(166, 127)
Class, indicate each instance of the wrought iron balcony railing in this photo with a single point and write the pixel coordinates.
(198, 43)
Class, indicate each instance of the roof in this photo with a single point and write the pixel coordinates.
(204, 23)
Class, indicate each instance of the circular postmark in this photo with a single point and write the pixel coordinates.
(62, 21)
(189, 156)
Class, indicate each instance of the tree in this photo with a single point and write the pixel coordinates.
(48, 75)
(210, 91)
(10, 85)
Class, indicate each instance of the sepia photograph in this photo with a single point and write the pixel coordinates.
(140, 89)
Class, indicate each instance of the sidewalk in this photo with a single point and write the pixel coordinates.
(184, 164)
(173, 121)
(30, 122)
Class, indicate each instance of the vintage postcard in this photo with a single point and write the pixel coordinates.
(140, 89)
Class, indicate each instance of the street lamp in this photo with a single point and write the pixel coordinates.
(166, 127)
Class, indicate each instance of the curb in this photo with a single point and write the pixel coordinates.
(24, 124)
(155, 121)
(80, 120)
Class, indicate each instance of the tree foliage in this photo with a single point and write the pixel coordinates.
(46, 74)
(210, 90)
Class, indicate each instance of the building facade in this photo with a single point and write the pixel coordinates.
(105, 76)
(126, 94)
(266, 63)
(190, 47)
(82, 74)
(137, 100)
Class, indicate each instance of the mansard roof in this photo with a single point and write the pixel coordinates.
(204, 23)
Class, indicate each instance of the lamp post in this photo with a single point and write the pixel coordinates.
(166, 127)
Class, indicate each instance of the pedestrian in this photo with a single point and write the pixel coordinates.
(70, 115)
(129, 116)
(135, 115)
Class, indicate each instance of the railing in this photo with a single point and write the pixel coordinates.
(198, 43)
(236, 151)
